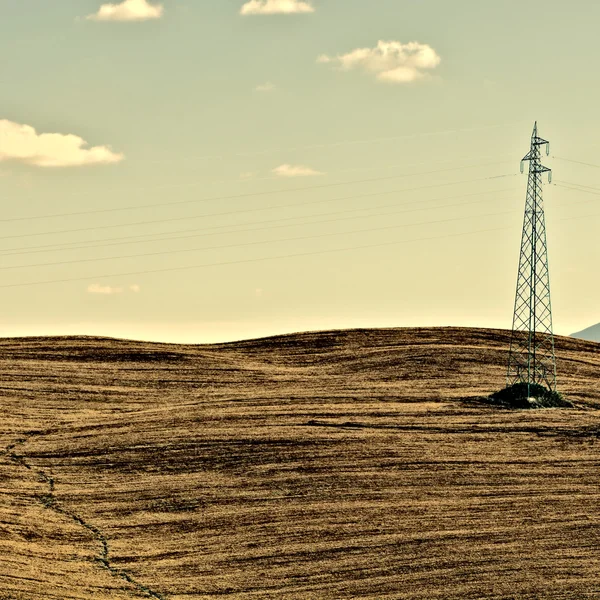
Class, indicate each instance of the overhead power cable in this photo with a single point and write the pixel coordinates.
(261, 259)
(576, 186)
(593, 192)
(578, 162)
(231, 212)
(244, 244)
(195, 234)
(244, 195)
(248, 260)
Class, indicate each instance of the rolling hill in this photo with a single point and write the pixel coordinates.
(328, 465)
(591, 334)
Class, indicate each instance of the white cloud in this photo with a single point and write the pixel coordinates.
(247, 175)
(128, 10)
(276, 7)
(390, 61)
(109, 290)
(22, 143)
(266, 87)
(96, 288)
(287, 170)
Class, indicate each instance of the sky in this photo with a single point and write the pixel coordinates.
(195, 171)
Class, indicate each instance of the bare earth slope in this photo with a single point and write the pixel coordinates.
(349, 464)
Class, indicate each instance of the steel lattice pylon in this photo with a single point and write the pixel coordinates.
(531, 359)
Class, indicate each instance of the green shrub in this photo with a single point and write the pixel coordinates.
(534, 395)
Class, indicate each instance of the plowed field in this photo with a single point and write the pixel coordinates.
(332, 465)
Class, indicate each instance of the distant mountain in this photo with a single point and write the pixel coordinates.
(591, 333)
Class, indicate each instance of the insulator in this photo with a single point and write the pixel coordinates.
(522, 166)
(549, 176)
(547, 148)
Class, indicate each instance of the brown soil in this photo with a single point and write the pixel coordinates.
(345, 464)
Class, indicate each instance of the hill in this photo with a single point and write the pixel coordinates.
(330, 465)
(591, 334)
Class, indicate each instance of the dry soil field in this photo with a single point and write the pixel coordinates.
(351, 464)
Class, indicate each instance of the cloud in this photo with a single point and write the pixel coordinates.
(109, 290)
(266, 87)
(128, 10)
(295, 171)
(276, 7)
(22, 143)
(247, 175)
(96, 288)
(390, 61)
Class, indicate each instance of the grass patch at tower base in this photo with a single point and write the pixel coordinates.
(533, 395)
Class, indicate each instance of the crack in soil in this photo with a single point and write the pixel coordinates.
(50, 501)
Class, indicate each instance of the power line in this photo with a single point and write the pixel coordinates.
(578, 162)
(576, 189)
(127, 241)
(564, 184)
(245, 210)
(580, 217)
(244, 244)
(247, 260)
(240, 196)
(262, 259)
(254, 179)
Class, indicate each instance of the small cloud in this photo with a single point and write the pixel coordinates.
(96, 288)
(392, 62)
(128, 10)
(287, 170)
(23, 144)
(258, 292)
(247, 175)
(276, 7)
(266, 87)
(109, 290)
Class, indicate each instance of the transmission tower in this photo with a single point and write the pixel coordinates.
(531, 359)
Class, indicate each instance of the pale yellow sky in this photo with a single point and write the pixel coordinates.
(200, 172)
